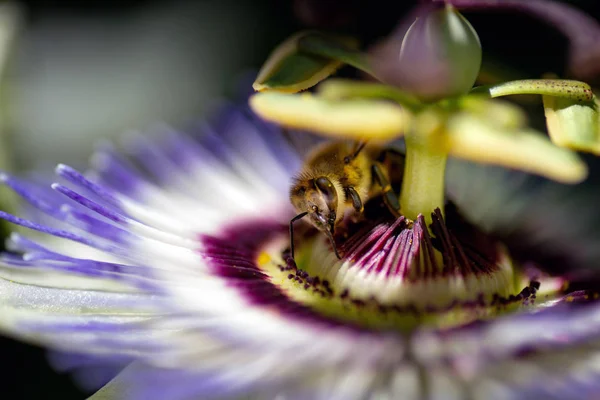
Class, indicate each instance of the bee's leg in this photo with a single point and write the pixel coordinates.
(358, 146)
(296, 218)
(357, 203)
(389, 197)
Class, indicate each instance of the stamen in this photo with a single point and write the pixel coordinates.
(395, 274)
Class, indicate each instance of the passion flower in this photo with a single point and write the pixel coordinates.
(176, 260)
(177, 265)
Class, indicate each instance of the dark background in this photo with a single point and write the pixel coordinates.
(527, 45)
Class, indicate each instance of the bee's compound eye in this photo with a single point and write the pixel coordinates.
(324, 184)
(328, 191)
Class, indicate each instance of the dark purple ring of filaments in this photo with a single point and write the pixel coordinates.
(233, 255)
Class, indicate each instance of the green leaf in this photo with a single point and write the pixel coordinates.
(290, 68)
(352, 119)
(573, 124)
(574, 90)
(475, 139)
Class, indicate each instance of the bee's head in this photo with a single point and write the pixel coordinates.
(318, 197)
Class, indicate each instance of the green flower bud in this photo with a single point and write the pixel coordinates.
(438, 57)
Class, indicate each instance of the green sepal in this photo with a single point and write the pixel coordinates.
(291, 67)
(339, 48)
(573, 124)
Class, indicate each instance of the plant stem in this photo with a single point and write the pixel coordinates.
(423, 182)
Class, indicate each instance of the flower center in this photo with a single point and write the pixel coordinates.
(395, 274)
(396, 264)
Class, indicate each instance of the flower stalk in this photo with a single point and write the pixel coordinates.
(423, 183)
(425, 165)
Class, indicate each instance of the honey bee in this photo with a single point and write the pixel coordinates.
(336, 181)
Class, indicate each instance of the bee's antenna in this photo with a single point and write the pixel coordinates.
(296, 218)
(330, 236)
(358, 146)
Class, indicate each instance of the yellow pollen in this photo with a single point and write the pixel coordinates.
(263, 258)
